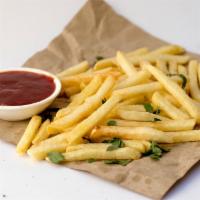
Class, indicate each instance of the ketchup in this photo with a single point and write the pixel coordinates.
(22, 87)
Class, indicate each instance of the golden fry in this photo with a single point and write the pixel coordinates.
(29, 134)
(125, 64)
(171, 125)
(141, 77)
(193, 80)
(77, 69)
(102, 154)
(42, 133)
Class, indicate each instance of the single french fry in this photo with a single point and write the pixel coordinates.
(89, 90)
(77, 69)
(140, 51)
(39, 152)
(86, 125)
(173, 67)
(42, 133)
(125, 64)
(133, 100)
(141, 77)
(176, 91)
(83, 110)
(182, 59)
(169, 49)
(170, 98)
(137, 107)
(129, 133)
(185, 136)
(165, 105)
(71, 90)
(102, 154)
(139, 116)
(141, 146)
(138, 90)
(111, 62)
(193, 80)
(144, 133)
(171, 125)
(162, 65)
(29, 134)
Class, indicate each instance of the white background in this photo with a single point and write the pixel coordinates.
(27, 26)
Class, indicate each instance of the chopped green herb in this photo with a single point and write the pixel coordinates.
(103, 100)
(117, 162)
(112, 123)
(55, 157)
(184, 79)
(155, 151)
(91, 160)
(115, 144)
(148, 107)
(99, 58)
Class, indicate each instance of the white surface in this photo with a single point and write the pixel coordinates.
(176, 21)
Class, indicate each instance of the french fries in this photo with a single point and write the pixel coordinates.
(167, 107)
(139, 116)
(138, 90)
(126, 65)
(141, 77)
(83, 110)
(42, 133)
(28, 135)
(176, 91)
(89, 90)
(86, 125)
(131, 100)
(193, 80)
(102, 154)
(171, 125)
(129, 133)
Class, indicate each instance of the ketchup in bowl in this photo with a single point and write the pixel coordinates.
(24, 87)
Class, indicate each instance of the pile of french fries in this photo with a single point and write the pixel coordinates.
(137, 97)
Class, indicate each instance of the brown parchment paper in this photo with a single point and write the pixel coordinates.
(98, 30)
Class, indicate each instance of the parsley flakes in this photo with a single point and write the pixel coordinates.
(55, 157)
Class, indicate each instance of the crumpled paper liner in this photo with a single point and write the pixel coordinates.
(98, 31)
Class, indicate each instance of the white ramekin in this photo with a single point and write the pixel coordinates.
(16, 113)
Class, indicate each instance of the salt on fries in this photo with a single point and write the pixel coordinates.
(120, 108)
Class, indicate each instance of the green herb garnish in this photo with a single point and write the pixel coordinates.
(55, 157)
(156, 151)
(116, 143)
(148, 107)
(111, 123)
(99, 58)
(103, 100)
(184, 79)
(117, 162)
(91, 160)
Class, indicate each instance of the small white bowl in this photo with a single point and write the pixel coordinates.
(16, 113)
